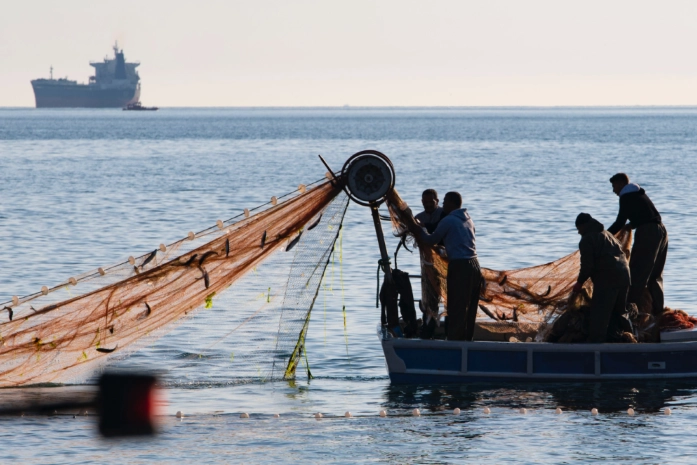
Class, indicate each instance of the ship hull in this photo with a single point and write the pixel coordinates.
(48, 95)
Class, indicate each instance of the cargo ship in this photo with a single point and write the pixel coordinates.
(115, 84)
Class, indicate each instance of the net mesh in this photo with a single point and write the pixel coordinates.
(61, 333)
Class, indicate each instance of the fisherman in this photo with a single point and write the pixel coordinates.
(432, 214)
(603, 261)
(430, 295)
(456, 230)
(650, 247)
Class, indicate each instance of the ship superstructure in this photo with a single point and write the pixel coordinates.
(115, 84)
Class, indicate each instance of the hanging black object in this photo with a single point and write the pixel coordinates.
(395, 294)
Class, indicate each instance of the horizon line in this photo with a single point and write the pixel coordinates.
(378, 107)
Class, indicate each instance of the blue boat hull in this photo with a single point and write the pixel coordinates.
(414, 361)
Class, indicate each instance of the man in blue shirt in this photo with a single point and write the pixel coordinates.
(464, 280)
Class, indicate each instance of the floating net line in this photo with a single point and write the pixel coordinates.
(512, 301)
(68, 330)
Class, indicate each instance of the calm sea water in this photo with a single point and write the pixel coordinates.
(84, 188)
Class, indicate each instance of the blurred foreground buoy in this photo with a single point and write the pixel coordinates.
(244, 415)
(348, 415)
(558, 411)
(667, 411)
(456, 411)
(594, 411)
(416, 412)
(276, 415)
(383, 413)
(523, 411)
(487, 410)
(318, 415)
(180, 414)
(630, 412)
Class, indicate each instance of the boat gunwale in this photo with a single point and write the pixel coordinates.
(544, 346)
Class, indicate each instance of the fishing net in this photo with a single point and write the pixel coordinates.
(65, 331)
(518, 303)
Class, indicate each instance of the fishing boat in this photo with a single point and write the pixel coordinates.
(416, 361)
(368, 178)
(137, 106)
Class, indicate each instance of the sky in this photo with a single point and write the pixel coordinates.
(363, 53)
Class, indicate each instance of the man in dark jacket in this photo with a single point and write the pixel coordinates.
(650, 241)
(603, 261)
(456, 230)
(430, 294)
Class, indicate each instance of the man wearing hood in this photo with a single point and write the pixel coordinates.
(603, 261)
(650, 240)
(456, 230)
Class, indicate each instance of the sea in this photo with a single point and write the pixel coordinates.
(84, 188)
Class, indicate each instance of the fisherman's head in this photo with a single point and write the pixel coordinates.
(429, 199)
(618, 182)
(583, 220)
(452, 201)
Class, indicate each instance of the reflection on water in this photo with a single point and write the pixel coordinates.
(648, 397)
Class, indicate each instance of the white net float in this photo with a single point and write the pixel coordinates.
(73, 281)
(220, 224)
(163, 248)
(191, 236)
(44, 290)
(274, 201)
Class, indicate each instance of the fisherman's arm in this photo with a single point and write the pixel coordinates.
(587, 263)
(431, 239)
(620, 221)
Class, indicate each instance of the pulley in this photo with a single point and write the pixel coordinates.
(369, 177)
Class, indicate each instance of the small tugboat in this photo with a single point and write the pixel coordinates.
(368, 178)
(138, 107)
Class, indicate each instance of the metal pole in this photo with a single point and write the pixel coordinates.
(385, 262)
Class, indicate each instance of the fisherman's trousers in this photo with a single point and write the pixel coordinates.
(606, 303)
(646, 264)
(464, 283)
